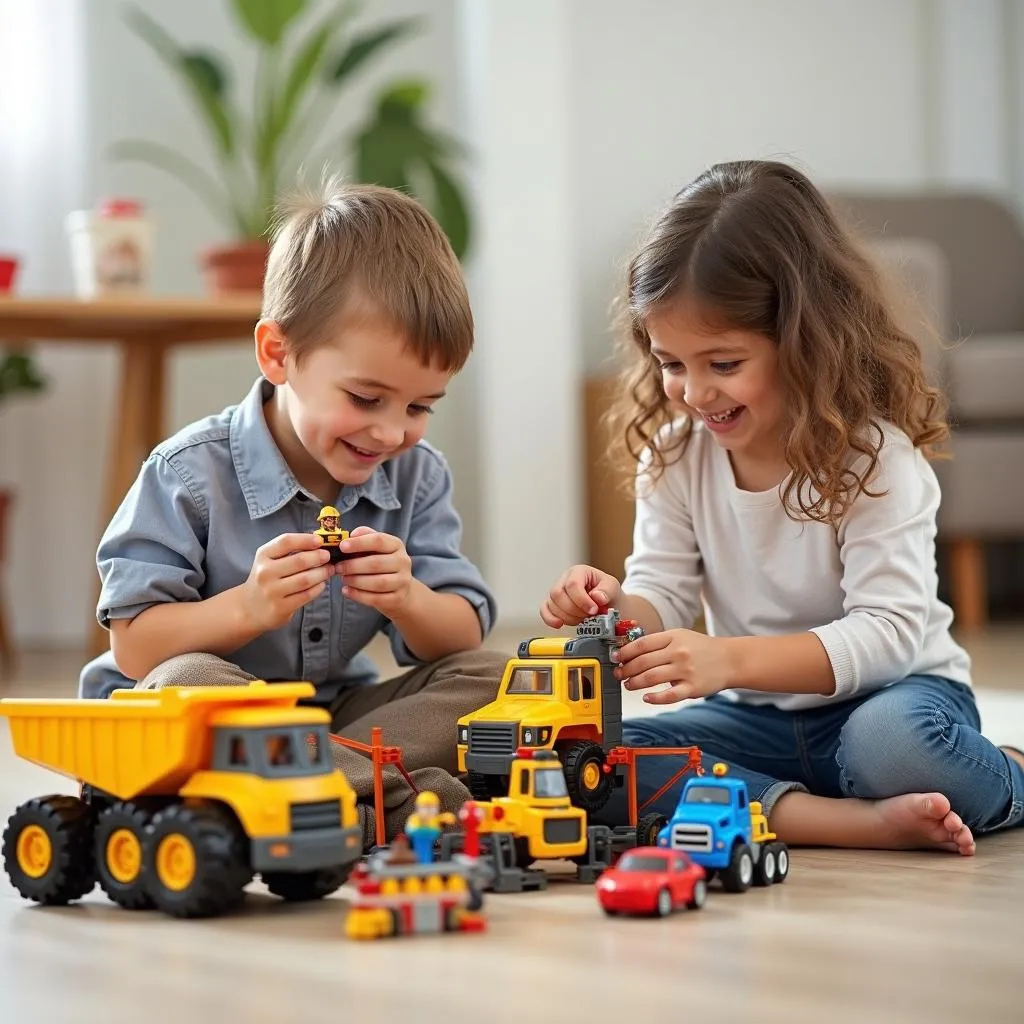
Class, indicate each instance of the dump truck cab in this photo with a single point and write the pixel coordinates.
(560, 694)
(273, 767)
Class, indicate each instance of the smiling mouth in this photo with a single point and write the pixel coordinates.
(363, 453)
(724, 417)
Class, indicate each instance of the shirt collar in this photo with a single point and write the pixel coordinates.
(266, 480)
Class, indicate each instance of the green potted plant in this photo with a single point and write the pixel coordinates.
(306, 55)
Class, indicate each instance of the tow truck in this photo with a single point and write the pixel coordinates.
(558, 694)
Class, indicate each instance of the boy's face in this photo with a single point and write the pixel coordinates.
(352, 405)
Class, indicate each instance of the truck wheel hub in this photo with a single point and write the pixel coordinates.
(35, 851)
(176, 862)
(124, 856)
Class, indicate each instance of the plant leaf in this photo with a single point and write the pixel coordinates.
(364, 46)
(308, 61)
(395, 149)
(203, 74)
(267, 19)
(450, 209)
(404, 98)
(223, 206)
(18, 373)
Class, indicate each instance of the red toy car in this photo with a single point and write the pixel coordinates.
(652, 880)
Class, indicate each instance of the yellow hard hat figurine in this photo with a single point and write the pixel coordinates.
(423, 826)
(329, 533)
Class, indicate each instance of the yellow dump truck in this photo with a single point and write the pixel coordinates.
(185, 795)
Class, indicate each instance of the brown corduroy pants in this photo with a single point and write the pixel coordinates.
(416, 710)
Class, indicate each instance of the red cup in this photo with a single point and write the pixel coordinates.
(8, 271)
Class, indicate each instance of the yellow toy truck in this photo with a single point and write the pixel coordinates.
(185, 794)
(537, 822)
(559, 694)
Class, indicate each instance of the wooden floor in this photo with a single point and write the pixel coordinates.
(851, 936)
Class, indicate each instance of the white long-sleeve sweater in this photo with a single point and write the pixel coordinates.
(867, 588)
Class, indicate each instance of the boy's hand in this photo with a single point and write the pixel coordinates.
(696, 665)
(288, 572)
(379, 573)
(578, 594)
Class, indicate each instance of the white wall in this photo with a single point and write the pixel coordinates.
(839, 88)
(627, 103)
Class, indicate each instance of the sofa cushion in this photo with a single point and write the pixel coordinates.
(982, 485)
(985, 376)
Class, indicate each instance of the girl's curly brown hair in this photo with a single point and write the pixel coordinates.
(756, 244)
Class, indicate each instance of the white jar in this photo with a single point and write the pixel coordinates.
(111, 249)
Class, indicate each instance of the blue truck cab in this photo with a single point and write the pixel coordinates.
(720, 828)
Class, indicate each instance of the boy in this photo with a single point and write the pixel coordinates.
(212, 572)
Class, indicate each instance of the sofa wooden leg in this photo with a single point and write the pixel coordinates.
(968, 584)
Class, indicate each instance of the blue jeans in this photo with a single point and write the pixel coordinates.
(918, 735)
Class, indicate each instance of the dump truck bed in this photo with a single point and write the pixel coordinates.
(137, 742)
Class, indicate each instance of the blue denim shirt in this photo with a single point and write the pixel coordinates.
(208, 497)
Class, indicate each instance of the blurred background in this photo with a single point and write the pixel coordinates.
(545, 133)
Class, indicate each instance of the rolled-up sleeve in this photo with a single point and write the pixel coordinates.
(434, 540)
(153, 550)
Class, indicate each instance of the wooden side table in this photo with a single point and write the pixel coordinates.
(145, 329)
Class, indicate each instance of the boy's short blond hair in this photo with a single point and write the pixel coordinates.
(366, 251)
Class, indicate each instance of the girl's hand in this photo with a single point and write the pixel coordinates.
(578, 594)
(381, 575)
(696, 665)
(287, 572)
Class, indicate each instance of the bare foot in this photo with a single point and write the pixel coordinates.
(924, 820)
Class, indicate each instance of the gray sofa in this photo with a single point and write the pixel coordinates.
(962, 255)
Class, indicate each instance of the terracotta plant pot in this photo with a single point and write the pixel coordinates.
(235, 268)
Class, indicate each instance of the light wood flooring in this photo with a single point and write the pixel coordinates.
(851, 936)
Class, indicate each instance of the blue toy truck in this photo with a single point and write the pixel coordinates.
(725, 832)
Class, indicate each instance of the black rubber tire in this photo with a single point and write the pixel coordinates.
(664, 905)
(576, 756)
(764, 869)
(738, 876)
(123, 815)
(781, 862)
(485, 787)
(647, 829)
(68, 824)
(221, 860)
(700, 894)
(303, 886)
(523, 856)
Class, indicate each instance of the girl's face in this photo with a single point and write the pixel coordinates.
(727, 378)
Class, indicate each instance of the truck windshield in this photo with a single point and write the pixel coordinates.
(530, 680)
(291, 751)
(642, 862)
(549, 782)
(706, 795)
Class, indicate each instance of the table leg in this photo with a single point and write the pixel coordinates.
(137, 431)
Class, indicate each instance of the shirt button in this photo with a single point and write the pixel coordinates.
(316, 634)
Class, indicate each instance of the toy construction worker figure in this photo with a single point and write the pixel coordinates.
(423, 826)
(329, 534)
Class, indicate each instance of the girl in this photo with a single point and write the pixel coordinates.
(779, 424)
